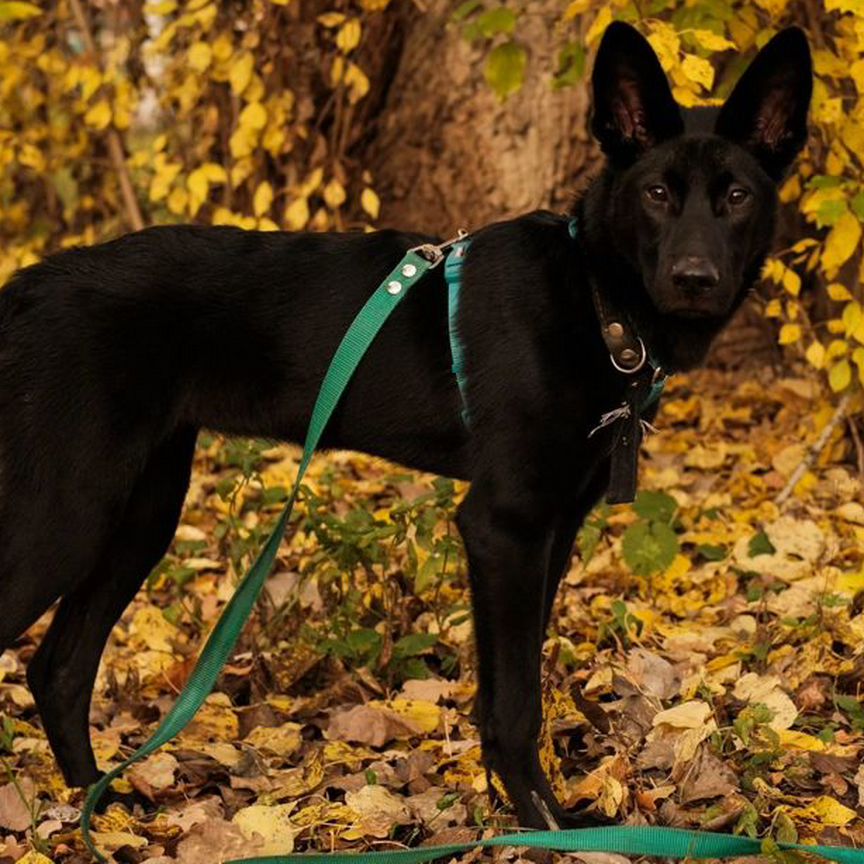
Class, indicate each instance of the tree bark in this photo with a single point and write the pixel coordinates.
(448, 154)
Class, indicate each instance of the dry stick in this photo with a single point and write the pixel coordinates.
(115, 145)
(812, 454)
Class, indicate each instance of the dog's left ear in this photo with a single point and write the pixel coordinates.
(767, 111)
(633, 106)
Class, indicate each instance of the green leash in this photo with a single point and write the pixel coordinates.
(360, 335)
(643, 840)
(662, 842)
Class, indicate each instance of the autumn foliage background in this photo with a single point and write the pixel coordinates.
(716, 627)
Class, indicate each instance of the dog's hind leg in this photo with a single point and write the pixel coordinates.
(63, 671)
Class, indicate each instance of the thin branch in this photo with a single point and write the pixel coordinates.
(813, 453)
(115, 144)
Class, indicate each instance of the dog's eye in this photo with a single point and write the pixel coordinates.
(657, 193)
(737, 195)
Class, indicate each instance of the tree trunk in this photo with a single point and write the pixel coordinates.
(448, 154)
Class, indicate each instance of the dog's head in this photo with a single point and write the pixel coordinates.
(693, 193)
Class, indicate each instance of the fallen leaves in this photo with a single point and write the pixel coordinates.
(719, 690)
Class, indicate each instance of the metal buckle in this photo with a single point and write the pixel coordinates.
(638, 366)
(434, 253)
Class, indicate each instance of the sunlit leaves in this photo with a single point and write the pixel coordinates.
(99, 116)
(16, 10)
(841, 243)
(297, 214)
(200, 55)
(370, 203)
(240, 73)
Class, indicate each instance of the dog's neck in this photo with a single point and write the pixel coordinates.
(675, 342)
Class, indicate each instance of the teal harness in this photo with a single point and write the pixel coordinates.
(453, 275)
(627, 354)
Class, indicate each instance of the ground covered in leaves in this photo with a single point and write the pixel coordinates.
(715, 637)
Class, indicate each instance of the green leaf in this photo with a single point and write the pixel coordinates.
(656, 506)
(857, 205)
(760, 545)
(571, 65)
(414, 644)
(649, 547)
(829, 212)
(505, 69)
(710, 552)
(18, 11)
(495, 21)
(824, 181)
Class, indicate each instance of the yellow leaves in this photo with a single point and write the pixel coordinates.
(166, 172)
(17, 10)
(575, 8)
(826, 811)
(666, 43)
(839, 292)
(840, 376)
(377, 810)
(699, 70)
(242, 141)
(200, 55)
(331, 19)
(297, 214)
(600, 23)
(789, 334)
(240, 73)
(267, 826)
(773, 7)
(199, 181)
(334, 194)
(370, 202)
(262, 199)
(284, 740)
(815, 355)
(177, 201)
(254, 116)
(356, 81)
(711, 41)
(841, 243)
(31, 157)
(99, 116)
(223, 47)
(348, 37)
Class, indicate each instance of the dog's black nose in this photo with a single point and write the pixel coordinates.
(694, 274)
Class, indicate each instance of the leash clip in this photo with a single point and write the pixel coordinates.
(434, 252)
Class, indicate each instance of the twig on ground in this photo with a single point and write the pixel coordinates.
(813, 453)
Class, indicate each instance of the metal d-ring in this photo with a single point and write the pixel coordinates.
(638, 366)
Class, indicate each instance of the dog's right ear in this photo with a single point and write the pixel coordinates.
(633, 105)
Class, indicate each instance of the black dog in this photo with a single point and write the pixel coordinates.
(113, 357)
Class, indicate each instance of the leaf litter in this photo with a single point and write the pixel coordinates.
(703, 670)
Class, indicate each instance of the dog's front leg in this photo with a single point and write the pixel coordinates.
(508, 546)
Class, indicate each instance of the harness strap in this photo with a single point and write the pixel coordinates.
(219, 646)
(453, 276)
